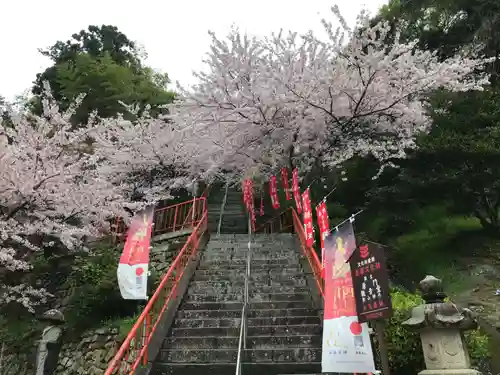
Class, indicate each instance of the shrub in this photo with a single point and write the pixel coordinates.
(93, 291)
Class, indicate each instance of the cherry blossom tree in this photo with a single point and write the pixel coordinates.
(51, 194)
(147, 158)
(307, 100)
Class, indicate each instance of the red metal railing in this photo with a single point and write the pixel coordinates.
(169, 219)
(309, 252)
(134, 350)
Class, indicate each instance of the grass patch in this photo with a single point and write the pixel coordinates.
(433, 246)
(124, 325)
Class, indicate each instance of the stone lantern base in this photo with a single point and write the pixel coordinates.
(450, 372)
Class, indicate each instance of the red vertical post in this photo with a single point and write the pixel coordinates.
(175, 218)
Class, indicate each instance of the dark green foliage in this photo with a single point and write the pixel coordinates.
(103, 64)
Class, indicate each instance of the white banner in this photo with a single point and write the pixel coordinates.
(346, 342)
(346, 346)
(133, 281)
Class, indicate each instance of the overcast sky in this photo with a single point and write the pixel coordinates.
(173, 33)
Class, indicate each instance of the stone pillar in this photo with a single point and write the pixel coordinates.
(441, 325)
(50, 344)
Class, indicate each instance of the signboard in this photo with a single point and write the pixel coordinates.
(346, 342)
(371, 283)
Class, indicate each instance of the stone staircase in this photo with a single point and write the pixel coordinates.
(284, 326)
(234, 219)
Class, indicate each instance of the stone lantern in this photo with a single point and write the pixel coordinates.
(441, 325)
(50, 343)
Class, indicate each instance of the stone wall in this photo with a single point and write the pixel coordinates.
(91, 355)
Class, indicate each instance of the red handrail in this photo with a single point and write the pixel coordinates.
(169, 219)
(309, 252)
(134, 349)
(193, 207)
(281, 223)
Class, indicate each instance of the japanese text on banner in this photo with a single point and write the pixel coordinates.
(308, 220)
(296, 189)
(284, 183)
(273, 192)
(324, 227)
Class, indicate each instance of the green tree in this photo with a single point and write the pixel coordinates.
(103, 64)
(106, 84)
(456, 163)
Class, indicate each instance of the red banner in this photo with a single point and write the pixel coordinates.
(249, 201)
(132, 272)
(341, 328)
(248, 193)
(296, 189)
(324, 227)
(308, 220)
(261, 203)
(284, 183)
(273, 191)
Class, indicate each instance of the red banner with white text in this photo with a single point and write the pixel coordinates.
(324, 227)
(308, 218)
(261, 203)
(284, 183)
(273, 192)
(296, 189)
(132, 272)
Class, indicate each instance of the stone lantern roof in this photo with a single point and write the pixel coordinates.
(436, 313)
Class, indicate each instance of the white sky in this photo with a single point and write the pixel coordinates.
(173, 33)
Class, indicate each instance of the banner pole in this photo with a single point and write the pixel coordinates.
(379, 326)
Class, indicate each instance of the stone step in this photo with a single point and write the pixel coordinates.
(240, 272)
(211, 314)
(230, 368)
(291, 330)
(252, 322)
(262, 277)
(254, 267)
(255, 342)
(252, 283)
(230, 260)
(185, 305)
(239, 305)
(224, 288)
(253, 296)
(219, 355)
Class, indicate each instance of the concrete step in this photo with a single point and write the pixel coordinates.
(252, 283)
(253, 267)
(231, 297)
(219, 355)
(263, 277)
(256, 260)
(185, 305)
(211, 314)
(239, 272)
(215, 289)
(253, 296)
(255, 342)
(271, 257)
(230, 368)
(191, 305)
(291, 330)
(252, 322)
